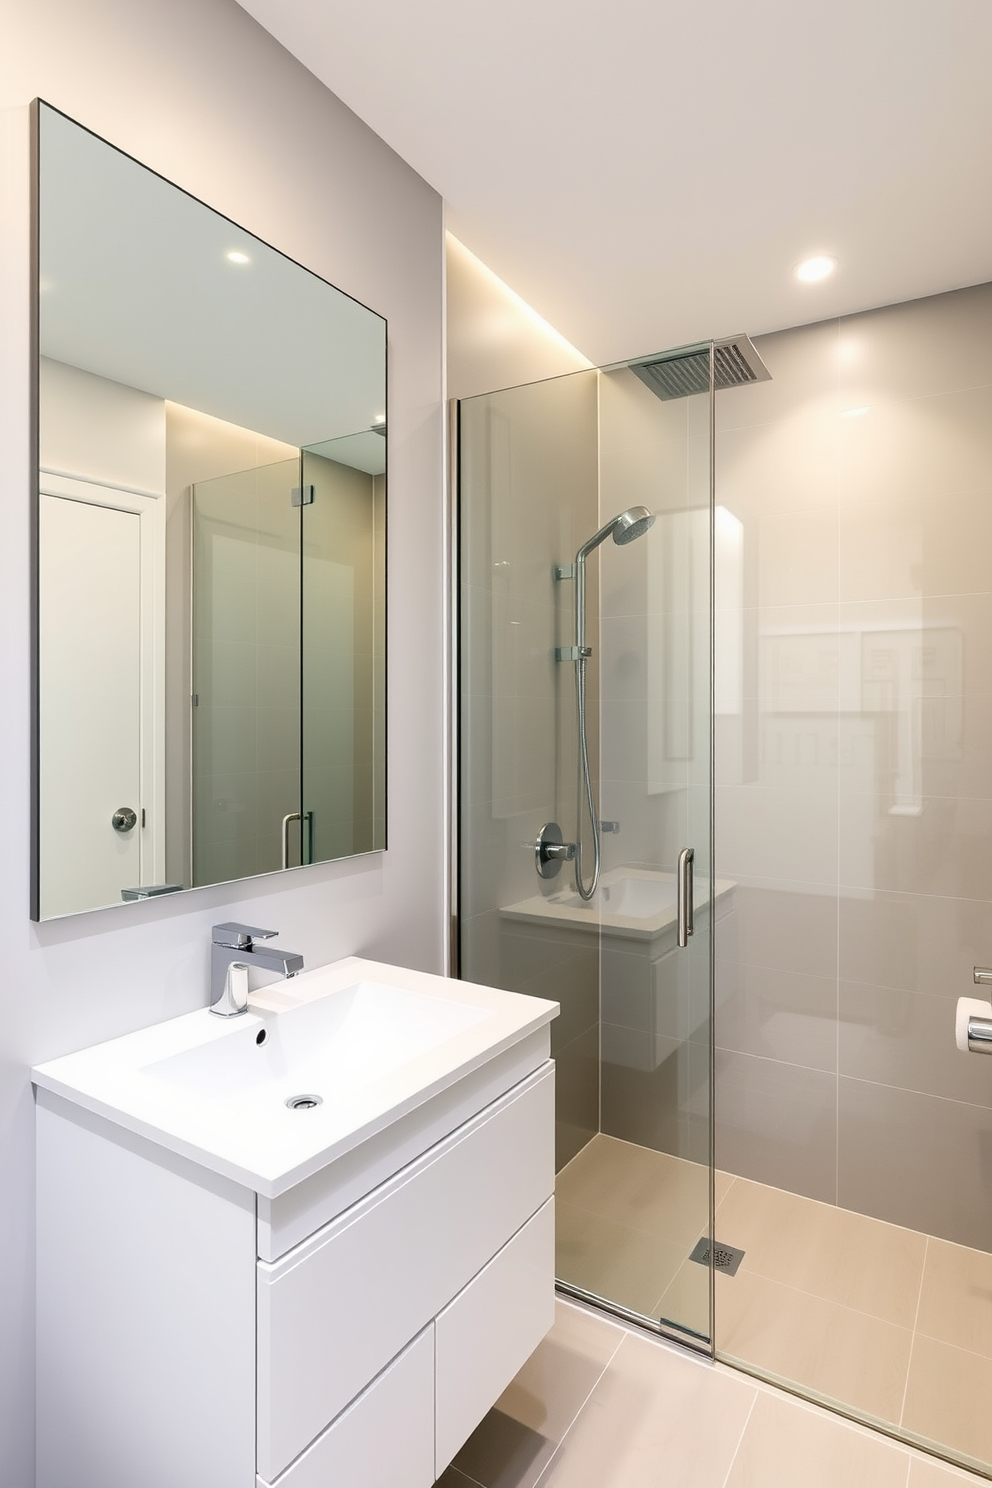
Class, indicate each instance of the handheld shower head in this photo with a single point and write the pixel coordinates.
(624, 528)
(631, 524)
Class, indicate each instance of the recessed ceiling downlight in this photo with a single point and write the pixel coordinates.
(820, 266)
(237, 257)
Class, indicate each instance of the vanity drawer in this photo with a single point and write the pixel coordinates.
(491, 1328)
(384, 1439)
(335, 1310)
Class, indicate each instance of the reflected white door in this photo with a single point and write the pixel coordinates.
(90, 636)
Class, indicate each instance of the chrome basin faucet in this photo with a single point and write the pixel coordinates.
(232, 951)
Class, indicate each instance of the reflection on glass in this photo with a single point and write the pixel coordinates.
(191, 378)
(542, 468)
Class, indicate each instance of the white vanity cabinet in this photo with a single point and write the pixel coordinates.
(348, 1332)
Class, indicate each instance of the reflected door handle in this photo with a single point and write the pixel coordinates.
(124, 819)
(290, 816)
(685, 891)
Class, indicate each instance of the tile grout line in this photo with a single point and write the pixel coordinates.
(740, 1439)
(568, 1429)
(912, 1340)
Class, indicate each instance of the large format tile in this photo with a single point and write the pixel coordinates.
(785, 1015)
(781, 928)
(771, 832)
(776, 1123)
(927, 1472)
(956, 1300)
(515, 1442)
(947, 1398)
(915, 1160)
(622, 1265)
(827, 1252)
(941, 849)
(907, 1039)
(786, 1443)
(920, 943)
(840, 1354)
(638, 1187)
(656, 1416)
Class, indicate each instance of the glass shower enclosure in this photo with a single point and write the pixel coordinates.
(585, 569)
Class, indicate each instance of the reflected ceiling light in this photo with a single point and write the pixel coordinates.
(380, 418)
(236, 256)
(812, 269)
(853, 412)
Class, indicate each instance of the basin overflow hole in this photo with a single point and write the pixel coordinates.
(261, 1035)
(726, 1258)
(304, 1102)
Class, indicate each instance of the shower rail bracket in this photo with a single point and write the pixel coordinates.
(564, 571)
(572, 653)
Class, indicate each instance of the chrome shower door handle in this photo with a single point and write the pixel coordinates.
(685, 895)
(290, 816)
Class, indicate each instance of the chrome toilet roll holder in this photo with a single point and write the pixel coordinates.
(973, 1020)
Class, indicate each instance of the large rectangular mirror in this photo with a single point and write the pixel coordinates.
(211, 544)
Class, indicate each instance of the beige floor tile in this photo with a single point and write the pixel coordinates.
(656, 1417)
(947, 1398)
(842, 1355)
(639, 1188)
(956, 1302)
(723, 1183)
(926, 1472)
(630, 1267)
(786, 1443)
(517, 1439)
(829, 1252)
(686, 1302)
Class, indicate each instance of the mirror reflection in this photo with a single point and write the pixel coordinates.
(211, 544)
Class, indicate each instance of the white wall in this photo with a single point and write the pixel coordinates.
(495, 339)
(198, 91)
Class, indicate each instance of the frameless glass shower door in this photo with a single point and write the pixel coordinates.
(586, 798)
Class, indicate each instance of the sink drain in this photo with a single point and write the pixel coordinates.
(304, 1102)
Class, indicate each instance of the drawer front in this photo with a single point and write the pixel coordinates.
(332, 1313)
(490, 1329)
(385, 1439)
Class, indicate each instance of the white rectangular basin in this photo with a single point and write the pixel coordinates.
(330, 1046)
(317, 1065)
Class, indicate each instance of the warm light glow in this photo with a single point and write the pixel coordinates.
(380, 418)
(854, 412)
(236, 256)
(812, 269)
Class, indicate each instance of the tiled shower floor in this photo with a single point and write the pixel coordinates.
(891, 1323)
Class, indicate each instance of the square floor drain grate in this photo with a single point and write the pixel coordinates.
(726, 1258)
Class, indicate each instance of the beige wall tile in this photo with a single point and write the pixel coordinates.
(947, 1396)
(956, 1301)
(777, 833)
(654, 1416)
(776, 1123)
(907, 1039)
(828, 1252)
(785, 1015)
(927, 346)
(915, 1160)
(781, 928)
(919, 943)
(786, 1443)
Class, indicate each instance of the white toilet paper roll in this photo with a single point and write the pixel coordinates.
(969, 1007)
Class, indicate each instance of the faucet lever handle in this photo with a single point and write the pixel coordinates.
(238, 937)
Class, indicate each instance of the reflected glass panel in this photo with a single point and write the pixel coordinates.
(191, 379)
